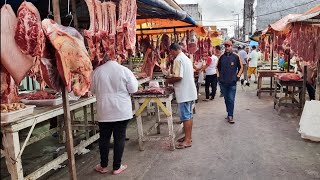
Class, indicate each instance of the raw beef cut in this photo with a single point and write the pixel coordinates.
(192, 42)
(288, 76)
(110, 24)
(49, 68)
(130, 26)
(149, 58)
(29, 35)
(9, 90)
(74, 65)
(126, 27)
(17, 63)
(90, 33)
(99, 46)
(165, 44)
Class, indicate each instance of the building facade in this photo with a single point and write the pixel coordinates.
(266, 11)
(248, 13)
(194, 11)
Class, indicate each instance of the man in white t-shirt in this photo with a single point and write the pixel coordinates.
(253, 63)
(185, 91)
(211, 75)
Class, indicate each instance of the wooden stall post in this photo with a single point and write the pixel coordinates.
(69, 137)
(66, 109)
(318, 83)
(303, 98)
(271, 78)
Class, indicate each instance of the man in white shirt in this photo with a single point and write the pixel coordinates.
(253, 63)
(185, 91)
(211, 75)
(112, 85)
(243, 55)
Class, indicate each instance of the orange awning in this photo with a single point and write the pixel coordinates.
(282, 25)
(160, 26)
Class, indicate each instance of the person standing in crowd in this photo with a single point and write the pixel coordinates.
(311, 78)
(253, 64)
(243, 55)
(185, 90)
(217, 52)
(229, 70)
(112, 84)
(211, 75)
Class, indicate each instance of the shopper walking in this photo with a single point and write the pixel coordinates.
(211, 75)
(229, 70)
(185, 90)
(253, 64)
(112, 84)
(244, 58)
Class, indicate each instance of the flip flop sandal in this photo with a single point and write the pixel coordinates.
(231, 121)
(182, 146)
(101, 169)
(122, 168)
(181, 140)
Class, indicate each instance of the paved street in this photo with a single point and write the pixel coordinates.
(261, 145)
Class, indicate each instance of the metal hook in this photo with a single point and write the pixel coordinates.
(49, 10)
(5, 1)
(71, 18)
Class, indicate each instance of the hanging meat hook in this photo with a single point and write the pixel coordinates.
(69, 13)
(50, 14)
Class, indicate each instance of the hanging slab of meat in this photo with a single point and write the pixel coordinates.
(165, 44)
(90, 33)
(74, 65)
(49, 68)
(104, 31)
(130, 26)
(122, 17)
(192, 42)
(148, 62)
(99, 46)
(9, 90)
(29, 35)
(16, 63)
(110, 25)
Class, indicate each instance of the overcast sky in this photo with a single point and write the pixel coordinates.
(212, 11)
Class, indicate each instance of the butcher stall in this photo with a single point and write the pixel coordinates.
(59, 48)
(297, 37)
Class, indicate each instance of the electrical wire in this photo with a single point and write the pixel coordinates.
(226, 20)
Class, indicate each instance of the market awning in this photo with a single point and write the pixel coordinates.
(281, 25)
(159, 26)
(161, 9)
(312, 15)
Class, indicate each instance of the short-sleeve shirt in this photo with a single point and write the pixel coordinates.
(243, 55)
(185, 89)
(254, 58)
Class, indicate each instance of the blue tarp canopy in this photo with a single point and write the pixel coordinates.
(146, 9)
(161, 9)
(253, 43)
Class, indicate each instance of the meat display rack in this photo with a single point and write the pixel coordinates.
(12, 116)
(43, 102)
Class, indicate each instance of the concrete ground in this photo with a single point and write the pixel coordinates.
(262, 144)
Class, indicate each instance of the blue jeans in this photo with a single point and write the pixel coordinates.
(229, 93)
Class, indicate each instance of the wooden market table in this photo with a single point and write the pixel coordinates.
(166, 108)
(11, 142)
(266, 73)
(288, 92)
